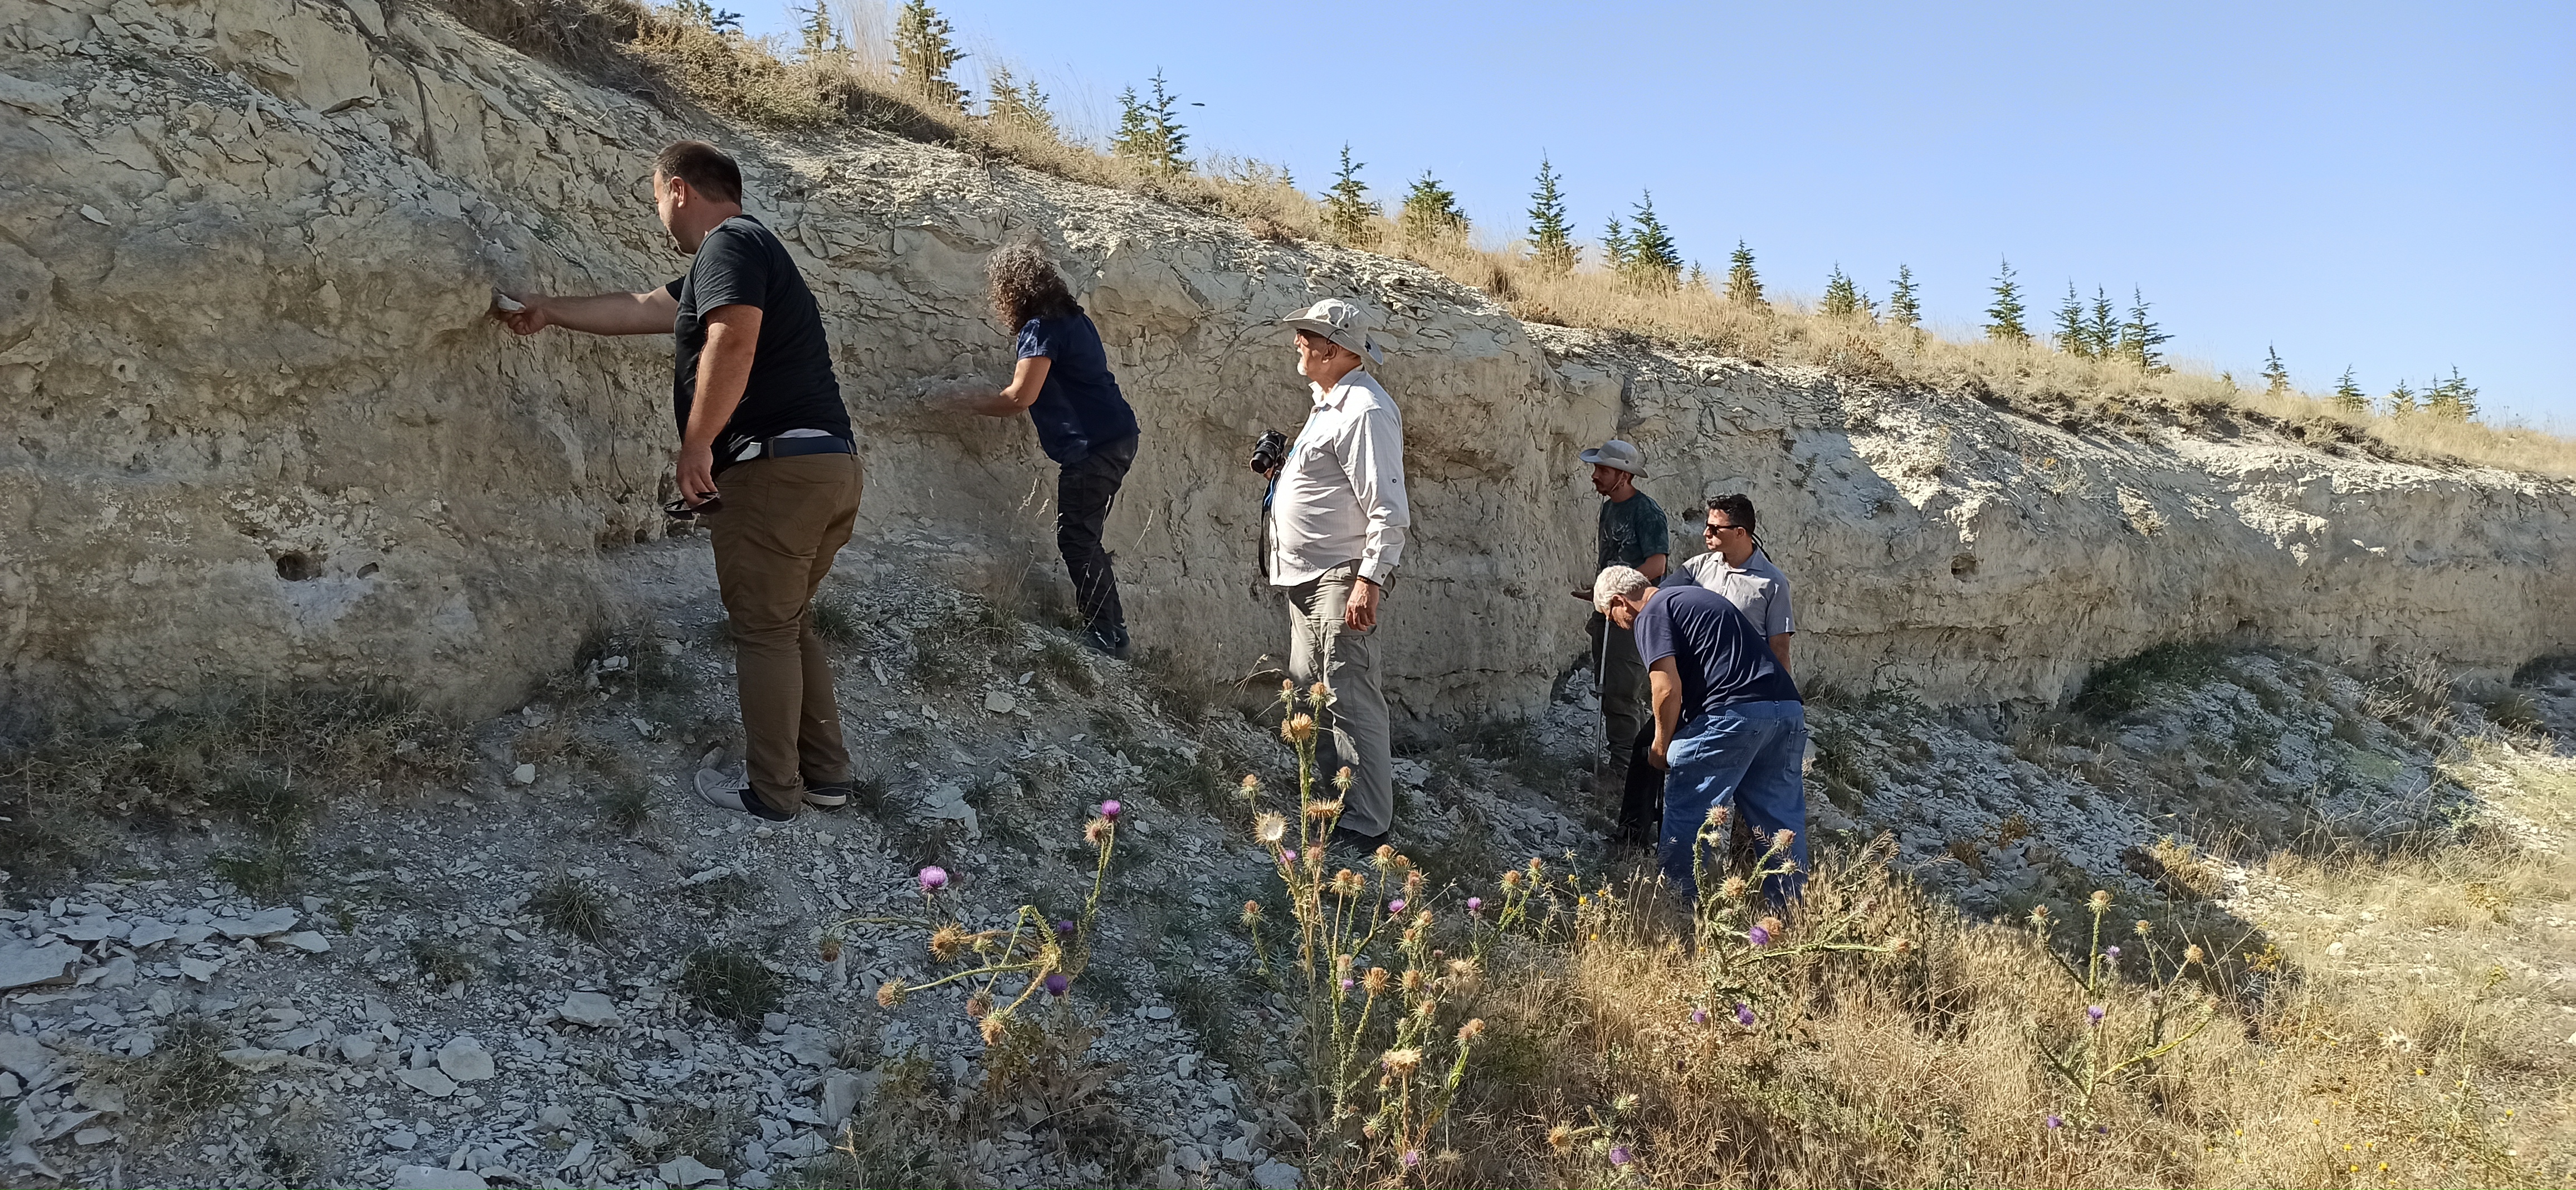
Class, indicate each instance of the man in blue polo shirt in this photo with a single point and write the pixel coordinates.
(1730, 727)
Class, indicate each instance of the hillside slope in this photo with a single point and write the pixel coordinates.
(258, 430)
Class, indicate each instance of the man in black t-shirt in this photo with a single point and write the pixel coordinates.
(753, 393)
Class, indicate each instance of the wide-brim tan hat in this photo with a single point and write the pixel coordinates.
(1346, 325)
(1622, 455)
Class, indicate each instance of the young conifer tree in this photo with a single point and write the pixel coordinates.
(1430, 212)
(1614, 247)
(2348, 396)
(1654, 261)
(1842, 298)
(820, 37)
(2003, 318)
(1347, 210)
(1904, 307)
(2140, 337)
(2276, 377)
(2453, 398)
(2072, 336)
(1551, 235)
(1012, 101)
(1149, 129)
(2401, 400)
(924, 52)
(1697, 278)
(2102, 335)
(1743, 285)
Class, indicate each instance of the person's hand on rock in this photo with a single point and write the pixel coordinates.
(528, 319)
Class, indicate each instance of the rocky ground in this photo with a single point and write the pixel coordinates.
(560, 968)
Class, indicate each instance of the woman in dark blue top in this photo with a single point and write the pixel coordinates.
(1084, 424)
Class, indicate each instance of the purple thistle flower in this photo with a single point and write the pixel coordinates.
(1057, 983)
(1346, 983)
(2054, 1121)
(1475, 903)
(2101, 1130)
(2112, 953)
(1744, 1015)
(1699, 1016)
(1758, 936)
(934, 878)
(1288, 856)
(2094, 1014)
(1412, 1157)
(1064, 927)
(1395, 907)
(1619, 1155)
(1110, 809)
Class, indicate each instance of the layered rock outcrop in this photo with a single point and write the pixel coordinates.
(256, 427)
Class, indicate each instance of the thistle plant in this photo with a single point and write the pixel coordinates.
(2104, 1045)
(1043, 956)
(1361, 1019)
(1738, 951)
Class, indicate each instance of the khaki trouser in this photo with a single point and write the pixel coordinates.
(1321, 648)
(782, 522)
(1621, 676)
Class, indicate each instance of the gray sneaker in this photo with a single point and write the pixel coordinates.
(827, 797)
(718, 790)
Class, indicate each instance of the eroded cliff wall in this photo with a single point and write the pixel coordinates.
(256, 427)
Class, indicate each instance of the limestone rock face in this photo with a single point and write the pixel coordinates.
(255, 427)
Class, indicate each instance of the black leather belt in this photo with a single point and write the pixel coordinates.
(744, 450)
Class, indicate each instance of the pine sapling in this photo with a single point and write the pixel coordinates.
(2072, 336)
(2003, 318)
(2348, 396)
(1551, 235)
(2276, 376)
(1743, 286)
(924, 52)
(1842, 298)
(1904, 307)
(1347, 211)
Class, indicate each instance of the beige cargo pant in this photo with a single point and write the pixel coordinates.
(783, 520)
(1323, 649)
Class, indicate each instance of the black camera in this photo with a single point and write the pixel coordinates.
(1269, 451)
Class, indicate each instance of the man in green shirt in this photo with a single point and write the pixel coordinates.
(1633, 534)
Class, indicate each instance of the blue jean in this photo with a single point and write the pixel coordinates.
(1746, 756)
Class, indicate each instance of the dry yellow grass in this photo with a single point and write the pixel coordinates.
(2440, 1065)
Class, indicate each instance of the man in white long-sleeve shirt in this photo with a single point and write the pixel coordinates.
(1337, 521)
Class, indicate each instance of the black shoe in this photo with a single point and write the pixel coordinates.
(1351, 842)
(712, 787)
(1112, 643)
(831, 796)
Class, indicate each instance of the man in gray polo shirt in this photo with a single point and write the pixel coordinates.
(1736, 568)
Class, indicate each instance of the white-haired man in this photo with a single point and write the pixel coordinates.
(1730, 727)
(1336, 527)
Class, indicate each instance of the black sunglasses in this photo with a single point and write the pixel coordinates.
(1711, 530)
(682, 510)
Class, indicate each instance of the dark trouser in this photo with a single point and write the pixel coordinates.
(1641, 797)
(782, 523)
(1084, 490)
(1619, 675)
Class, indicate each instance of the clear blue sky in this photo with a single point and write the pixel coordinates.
(2383, 186)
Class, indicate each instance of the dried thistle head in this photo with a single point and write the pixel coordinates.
(1323, 811)
(1342, 780)
(1732, 888)
(1561, 1137)
(829, 947)
(1413, 882)
(1423, 1010)
(1252, 913)
(1342, 963)
(978, 1005)
(948, 942)
(2039, 916)
(2144, 927)
(1347, 883)
(1422, 921)
(1469, 1032)
(1385, 855)
(890, 993)
(2191, 954)
(994, 1026)
(1314, 859)
(1783, 838)
(1319, 694)
(1401, 1062)
(1376, 980)
(1717, 815)
(1512, 879)
(1299, 729)
(1901, 946)
(1251, 784)
(2101, 899)
(1463, 969)
(1772, 925)
(1415, 981)
(1269, 828)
